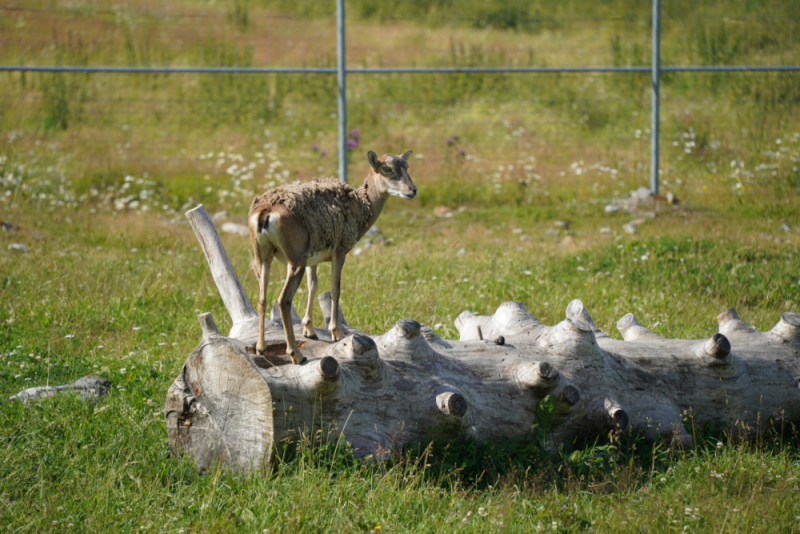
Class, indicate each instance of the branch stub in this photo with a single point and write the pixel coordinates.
(409, 328)
(328, 367)
(452, 403)
(718, 346)
(363, 344)
(570, 395)
(208, 325)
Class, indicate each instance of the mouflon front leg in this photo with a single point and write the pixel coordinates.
(337, 262)
(308, 320)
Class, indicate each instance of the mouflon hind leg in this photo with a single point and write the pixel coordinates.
(263, 281)
(294, 275)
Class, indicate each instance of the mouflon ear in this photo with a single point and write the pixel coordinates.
(373, 160)
(406, 155)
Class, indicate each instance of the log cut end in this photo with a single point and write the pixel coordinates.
(220, 409)
(631, 330)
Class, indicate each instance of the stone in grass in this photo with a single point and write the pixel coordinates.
(612, 208)
(786, 228)
(87, 388)
(561, 224)
(642, 194)
(18, 247)
(220, 216)
(236, 229)
(631, 227)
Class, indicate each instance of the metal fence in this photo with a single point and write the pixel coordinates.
(342, 71)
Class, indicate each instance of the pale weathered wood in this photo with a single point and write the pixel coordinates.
(219, 409)
(239, 306)
(408, 384)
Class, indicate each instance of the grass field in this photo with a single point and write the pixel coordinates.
(98, 169)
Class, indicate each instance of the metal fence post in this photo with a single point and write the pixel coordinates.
(341, 73)
(656, 74)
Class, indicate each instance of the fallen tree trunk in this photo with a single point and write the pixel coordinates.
(383, 392)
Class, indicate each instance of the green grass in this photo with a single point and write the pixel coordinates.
(98, 169)
(108, 466)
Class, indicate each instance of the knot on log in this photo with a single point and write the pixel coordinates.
(408, 328)
(788, 327)
(431, 337)
(729, 323)
(577, 312)
(405, 340)
(363, 345)
(510, 319)
(544, 379)
(360, 353)
(452, 403)
(467, 324)
(631, 330)
(571, 338)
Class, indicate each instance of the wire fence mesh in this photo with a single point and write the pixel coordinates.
(487, 138)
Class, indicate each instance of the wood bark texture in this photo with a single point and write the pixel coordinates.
(382, 392)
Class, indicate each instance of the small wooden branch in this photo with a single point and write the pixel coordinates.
(239, 306)
(631, 330)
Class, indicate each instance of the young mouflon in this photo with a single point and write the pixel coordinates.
(306, 223)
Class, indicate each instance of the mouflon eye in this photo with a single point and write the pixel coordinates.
(387, 170)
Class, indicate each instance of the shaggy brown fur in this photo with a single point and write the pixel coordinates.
(315, 222)
(331, 211)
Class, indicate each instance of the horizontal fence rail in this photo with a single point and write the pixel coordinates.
(390, 70)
